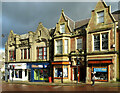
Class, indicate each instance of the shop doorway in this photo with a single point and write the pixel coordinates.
(82, 74)
(29, 75)
(74, 73)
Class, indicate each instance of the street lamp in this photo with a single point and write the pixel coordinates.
(77, 69)
(78, 63)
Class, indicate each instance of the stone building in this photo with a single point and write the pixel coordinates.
(27, 55)
(103, 44)
(69, 52)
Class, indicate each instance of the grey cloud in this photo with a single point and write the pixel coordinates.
(25, 16)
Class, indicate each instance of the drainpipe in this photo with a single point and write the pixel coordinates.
(115, 35)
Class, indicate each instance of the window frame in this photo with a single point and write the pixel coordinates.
(43, 50)
(13, 58)
(62, 68)
(60, 46)
(79, 43)
(25, 53)
(61, 28)
(94, 42)
(66, 46)
(100, 16)
(102, 41)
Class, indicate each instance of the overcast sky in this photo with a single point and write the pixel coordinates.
(22, 17)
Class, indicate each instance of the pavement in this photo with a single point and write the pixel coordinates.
(101, 84)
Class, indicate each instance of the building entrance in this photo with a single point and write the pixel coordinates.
(74, 73)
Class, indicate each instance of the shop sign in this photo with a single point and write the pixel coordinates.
(40, 66)
(100, 69)
(18, 65)
(37, 66)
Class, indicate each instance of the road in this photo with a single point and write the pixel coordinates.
(24, 87)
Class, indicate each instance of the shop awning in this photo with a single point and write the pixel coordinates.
(99, 61)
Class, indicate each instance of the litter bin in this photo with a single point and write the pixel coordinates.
(50, 79)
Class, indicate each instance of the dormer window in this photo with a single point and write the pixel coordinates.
(100, 17)
(62, 28)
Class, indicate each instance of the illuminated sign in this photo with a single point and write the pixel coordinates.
(100, 69)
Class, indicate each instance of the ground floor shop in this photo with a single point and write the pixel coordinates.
(104, 68)
(39, 72)
(64, 71)
(61, 71)
(17, 72)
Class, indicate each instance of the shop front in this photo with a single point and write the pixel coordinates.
(39, 72)
(100, 68)
(61, 71)
(18, 72)
(101, 73)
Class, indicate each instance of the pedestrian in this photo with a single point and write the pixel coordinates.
(93, 79)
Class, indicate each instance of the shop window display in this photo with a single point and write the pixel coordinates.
(41, 74)
(58, 72)
(18, 73)
(101, 73)
(65, 72)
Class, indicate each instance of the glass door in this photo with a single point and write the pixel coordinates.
(41, 76)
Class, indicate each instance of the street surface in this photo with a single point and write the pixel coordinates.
(86, 87)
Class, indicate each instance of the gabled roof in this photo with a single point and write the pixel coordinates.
(71, 22)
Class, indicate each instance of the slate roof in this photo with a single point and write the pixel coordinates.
(116, 15)
(71, 22)
(81, 23)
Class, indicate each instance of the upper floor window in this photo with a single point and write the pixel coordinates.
(25, 53)
(96, 42)
(62, 28)
(79, 43)
(59, 46)
(105, 41)
(12, 55)
(66, 46)
(41, 53)
(100, 17)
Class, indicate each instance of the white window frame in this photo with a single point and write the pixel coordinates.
(66, 46)
(56, 46)
(100, 17)
(102, 41)
(94, 43)
(62, 28)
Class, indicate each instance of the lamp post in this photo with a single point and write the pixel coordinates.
(78, 63)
